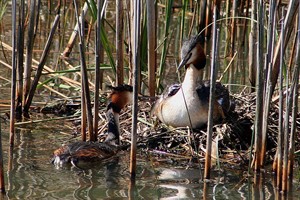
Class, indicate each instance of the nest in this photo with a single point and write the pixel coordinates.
(231, 138)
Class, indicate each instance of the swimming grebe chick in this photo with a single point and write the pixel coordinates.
(96, 151)
(186, 104)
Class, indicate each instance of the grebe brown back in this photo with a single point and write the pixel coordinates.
(96, 151)
(186, 104)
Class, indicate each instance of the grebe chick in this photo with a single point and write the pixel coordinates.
(96, 151)
(187, 104)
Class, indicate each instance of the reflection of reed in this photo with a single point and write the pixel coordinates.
(97, 184)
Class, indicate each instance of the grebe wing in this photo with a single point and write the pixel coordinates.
(221, 94)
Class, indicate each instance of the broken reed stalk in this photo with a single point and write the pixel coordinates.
(119, 43)
(85, 85)
(213, 74)
(135, 39)
(151, 34)
(40, 67)
(259, 89)
(20, 65)
(29, 51)
(13, 76)
(72, 39)
(2, 183)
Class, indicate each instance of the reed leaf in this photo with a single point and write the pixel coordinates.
(168, 18)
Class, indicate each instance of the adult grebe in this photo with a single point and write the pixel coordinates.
(187, 104)
(95, 151)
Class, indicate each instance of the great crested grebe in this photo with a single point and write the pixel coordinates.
(186, 104)
(96, 151)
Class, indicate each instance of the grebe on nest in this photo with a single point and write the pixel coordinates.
(95, 151)
(186, 104)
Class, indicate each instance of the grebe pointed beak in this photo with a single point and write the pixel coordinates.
(184, 61)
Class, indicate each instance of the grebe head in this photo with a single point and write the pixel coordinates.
(120, 96)
(193, 53)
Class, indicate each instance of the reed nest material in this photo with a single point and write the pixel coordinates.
(232, 137)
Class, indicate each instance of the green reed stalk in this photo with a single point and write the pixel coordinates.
(182, 22)
(151, 43)
(168, 18)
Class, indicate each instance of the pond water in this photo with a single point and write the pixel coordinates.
(30, 175)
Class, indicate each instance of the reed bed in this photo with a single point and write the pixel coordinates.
(265, 86)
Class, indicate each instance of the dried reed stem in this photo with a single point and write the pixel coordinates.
(119, 43)
(85, 85)
(280, 126)
(29, 50)
(135, 39)
(13, 76)
(20, 65)
(252, 41)
(97, 68)
(288, 24)
(259, 90)
(71, 41)
(41, 65)
(151, 33)
(213, 75)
